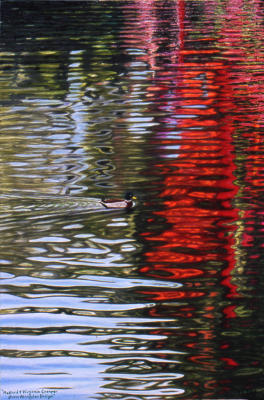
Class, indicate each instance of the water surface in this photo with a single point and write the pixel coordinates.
(165, 99)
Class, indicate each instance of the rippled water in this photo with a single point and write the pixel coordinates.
(164, 98)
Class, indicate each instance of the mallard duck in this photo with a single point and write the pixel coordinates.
(119, 203)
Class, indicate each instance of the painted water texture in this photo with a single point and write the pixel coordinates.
(165, 99)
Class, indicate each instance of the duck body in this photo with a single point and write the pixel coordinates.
(119, 203)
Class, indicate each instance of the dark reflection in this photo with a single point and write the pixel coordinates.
(164, 99)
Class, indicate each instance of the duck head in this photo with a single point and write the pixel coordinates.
(129, 196)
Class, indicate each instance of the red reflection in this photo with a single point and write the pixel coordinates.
(202, 169)
(230, 311)
(230, 362)
(175, 273)
(197, 137)
(202, 101)
(164, 295)
(197, 98)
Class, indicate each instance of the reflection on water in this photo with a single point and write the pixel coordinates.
(164, 99)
